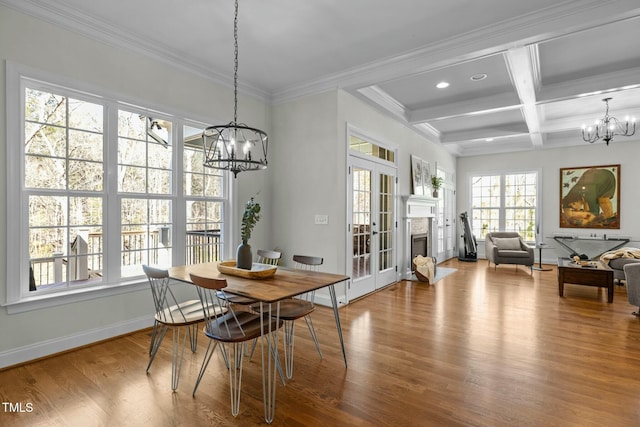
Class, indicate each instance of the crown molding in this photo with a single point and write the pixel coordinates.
(382, 99)
(555, 21)
(547, 24)
(61, 15)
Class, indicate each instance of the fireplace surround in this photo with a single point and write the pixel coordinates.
(419, 228)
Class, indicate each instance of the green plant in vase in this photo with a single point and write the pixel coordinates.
(436, 184)
(250, 217)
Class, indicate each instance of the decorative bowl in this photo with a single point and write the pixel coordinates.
(258, 271)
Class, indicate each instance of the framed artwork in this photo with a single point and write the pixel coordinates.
(426, 177)
(417, 176)
(590, 197)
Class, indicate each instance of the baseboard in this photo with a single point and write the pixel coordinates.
(49, 347)
(325, 300)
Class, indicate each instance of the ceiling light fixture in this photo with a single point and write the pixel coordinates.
(478, 77)
(235, 146)
(442, 85)
(608, 126)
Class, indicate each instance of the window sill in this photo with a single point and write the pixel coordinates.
(43, 301)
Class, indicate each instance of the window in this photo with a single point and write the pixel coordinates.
(63, 184)
(203, 191)
(97, 181)
(144, 182)
(504, 202)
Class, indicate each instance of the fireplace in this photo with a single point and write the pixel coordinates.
(419, 245)
(419, 226)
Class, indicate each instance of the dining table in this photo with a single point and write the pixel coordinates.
(269, 291)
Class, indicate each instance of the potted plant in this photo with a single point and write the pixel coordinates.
(251, 216)
(436, 183)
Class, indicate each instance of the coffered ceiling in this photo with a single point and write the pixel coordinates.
(548, 63)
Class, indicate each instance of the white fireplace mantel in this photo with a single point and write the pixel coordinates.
(419, 206)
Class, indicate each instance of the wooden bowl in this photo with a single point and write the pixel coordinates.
(258, 271)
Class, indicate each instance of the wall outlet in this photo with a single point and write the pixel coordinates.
(322, 219)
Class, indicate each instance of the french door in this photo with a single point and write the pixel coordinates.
(446, 218)
(446, 225)
(372, 226)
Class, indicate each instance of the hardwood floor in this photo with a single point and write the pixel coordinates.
(482, 347)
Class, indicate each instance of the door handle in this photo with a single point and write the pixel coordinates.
(374, 233)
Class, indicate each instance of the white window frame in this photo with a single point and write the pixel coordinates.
(18, 298)
(502, 208)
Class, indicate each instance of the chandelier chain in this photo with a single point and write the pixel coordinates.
(235, 65)
(235, 147)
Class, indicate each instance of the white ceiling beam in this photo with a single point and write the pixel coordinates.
(572, 88)
(523, 66)
(487, 104)
(494, 132)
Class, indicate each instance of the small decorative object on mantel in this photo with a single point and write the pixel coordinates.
(244, 258)
(436, 183)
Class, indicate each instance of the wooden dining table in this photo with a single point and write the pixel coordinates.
(285, 283)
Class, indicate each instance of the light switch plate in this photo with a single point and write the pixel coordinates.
(322, 219)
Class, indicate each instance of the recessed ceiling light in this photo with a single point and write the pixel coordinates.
(478, 77)
(442, 85)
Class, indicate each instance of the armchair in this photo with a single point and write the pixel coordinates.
(508, 248)
(632, 274)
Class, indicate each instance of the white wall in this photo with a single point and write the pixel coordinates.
(27, 41)
(624, 151)
(306, 174)
(310, 158)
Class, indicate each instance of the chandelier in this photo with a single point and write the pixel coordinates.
(235, 146)
(608, 126)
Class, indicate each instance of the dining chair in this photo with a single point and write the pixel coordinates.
(302, 306)
(234, 328)
(170, 313)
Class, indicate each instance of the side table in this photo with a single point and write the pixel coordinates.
(540, 247)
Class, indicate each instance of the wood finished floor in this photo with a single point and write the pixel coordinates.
(482, 347)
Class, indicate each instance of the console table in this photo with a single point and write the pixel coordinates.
(593, 247)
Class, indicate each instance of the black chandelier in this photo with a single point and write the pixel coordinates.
(608, 126)
(235, 147)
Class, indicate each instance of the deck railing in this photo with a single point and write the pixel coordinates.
(203, 246)
(85, 261)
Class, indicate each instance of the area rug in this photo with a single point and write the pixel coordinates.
(441, 273)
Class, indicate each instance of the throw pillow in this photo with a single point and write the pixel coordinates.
(507, 243)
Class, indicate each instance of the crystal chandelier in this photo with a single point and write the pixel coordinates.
(235, 146)
(608, 126)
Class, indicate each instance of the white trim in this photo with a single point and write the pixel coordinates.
(59, 344)
(555, 21)
(382, 99)
(564, 18)
(42, 301)
(18, 299)
(351, 157)
(324, 299)
(13, 169)
(62, 15)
